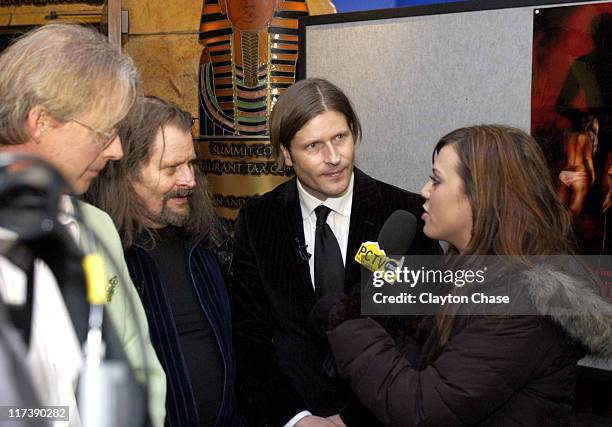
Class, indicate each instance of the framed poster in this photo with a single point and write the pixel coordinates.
(572, 113)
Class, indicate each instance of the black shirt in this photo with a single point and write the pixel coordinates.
(199, 345)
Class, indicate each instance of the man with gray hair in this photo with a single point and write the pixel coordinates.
(63, 90)
(177, 254)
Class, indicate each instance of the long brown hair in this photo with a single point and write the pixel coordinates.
(113, 192)
(301, 103)
(515, 208)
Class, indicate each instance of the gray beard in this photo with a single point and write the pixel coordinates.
(170, 217)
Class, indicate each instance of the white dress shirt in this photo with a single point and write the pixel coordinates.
(339, 220)
(54, 355)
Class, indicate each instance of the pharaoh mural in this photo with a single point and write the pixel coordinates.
(249, 56)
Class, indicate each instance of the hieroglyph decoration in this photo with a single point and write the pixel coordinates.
(250, 49)
(249, 57)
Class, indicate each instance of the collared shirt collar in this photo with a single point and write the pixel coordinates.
(340, 204)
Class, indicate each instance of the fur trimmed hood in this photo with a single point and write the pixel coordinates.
(573, 303)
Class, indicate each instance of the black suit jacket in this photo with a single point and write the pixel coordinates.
(280, 356)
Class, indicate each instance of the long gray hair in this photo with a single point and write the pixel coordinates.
(113, 191)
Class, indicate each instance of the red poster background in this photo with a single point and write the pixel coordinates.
(563, 35)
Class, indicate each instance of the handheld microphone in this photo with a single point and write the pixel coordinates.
(395, 238)
(397, 233)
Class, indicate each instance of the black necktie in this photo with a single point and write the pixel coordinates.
(328, 265)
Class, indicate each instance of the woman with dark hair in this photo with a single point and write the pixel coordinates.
(490, 193)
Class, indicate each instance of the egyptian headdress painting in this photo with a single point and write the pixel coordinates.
(249, 57)
(572, 113)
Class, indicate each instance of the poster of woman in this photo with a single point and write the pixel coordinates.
(572, 113)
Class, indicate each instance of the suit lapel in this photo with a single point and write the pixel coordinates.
(364, 224)
(367, 202)
(292, 228)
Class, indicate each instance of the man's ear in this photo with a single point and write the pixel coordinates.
(37, 122)
(286, 155)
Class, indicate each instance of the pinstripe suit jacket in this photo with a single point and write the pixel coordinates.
(280, 357)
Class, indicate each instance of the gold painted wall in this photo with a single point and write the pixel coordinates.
(38, 15)
(163, 41)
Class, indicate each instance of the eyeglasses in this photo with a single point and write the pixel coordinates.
(103, 138)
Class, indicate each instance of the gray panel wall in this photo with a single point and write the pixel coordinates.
(414, 79)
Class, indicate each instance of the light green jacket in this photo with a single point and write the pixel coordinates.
(123, 318)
